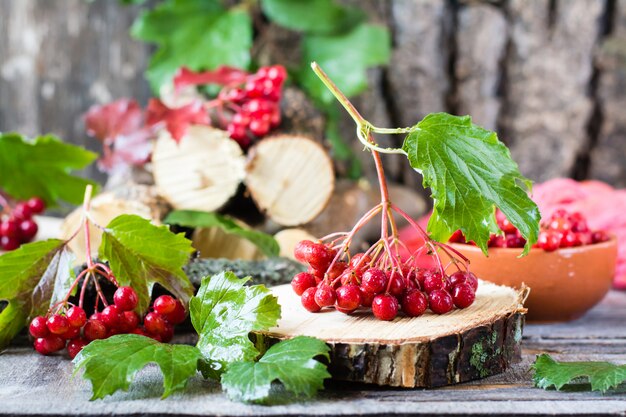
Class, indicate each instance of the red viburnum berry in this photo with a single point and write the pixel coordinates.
(94, 329)
(302, 282)
(165, 304)
(463, 295)
(110, 316)
(178, 315)
(76, 316)
(154, 323)
(414, 303)
(75, 346)
(374, 280)
(57, 324)
(385, 307)
(125, 298)
(36, 205)
(440, 301)
(38, 327)
(308, 300)
(348, 297)
(325, 296)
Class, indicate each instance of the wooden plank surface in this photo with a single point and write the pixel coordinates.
(35, 385)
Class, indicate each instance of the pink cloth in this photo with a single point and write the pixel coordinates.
(603, 206)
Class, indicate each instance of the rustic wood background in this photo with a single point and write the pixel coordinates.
(549, 75)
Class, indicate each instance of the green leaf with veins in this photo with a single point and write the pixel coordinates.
(29, 278)
(191, 218)
(312, 16)
(42, 167)
(224, 312)
(111, 364)
(345, 58)
(602, 376)
(141, 254)
(197, 34)
(291, 362)
(469, 171)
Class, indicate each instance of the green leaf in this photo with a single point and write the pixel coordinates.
(141, 254)
(322, 16)
(224, 312)
(198, 34)
(291, 362)
(111, 364)
(42, 167)
(469, 172)
(30, 277)
(345, 58)
(190, 218)
(602, 376)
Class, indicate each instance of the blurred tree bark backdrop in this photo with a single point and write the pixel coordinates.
(548, 75)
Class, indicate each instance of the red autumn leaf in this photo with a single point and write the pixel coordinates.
(127, 150)
(222, 76)
(121, 117)
(176, 120)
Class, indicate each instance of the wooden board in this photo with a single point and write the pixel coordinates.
(427, 351)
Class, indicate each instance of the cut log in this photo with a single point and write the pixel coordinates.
(202, 172)
(141, 200)
(213, 242)
(427, 351)
(290, 178)
(288, 239)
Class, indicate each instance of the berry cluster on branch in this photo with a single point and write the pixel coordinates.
(17, 225)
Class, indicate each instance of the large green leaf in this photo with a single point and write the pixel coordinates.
(602, 376)
(224, 312)
(30, 277)
(191, 218)
(198, 34)
(469, 171)
(313, 16)
(42, 167)
(111, 364)
(291, 362)
(141, 254)
(345, 58)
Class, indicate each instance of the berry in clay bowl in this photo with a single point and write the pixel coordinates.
(569, 270)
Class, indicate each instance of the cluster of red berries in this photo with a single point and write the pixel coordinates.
(561, 230)
(18, 226)
(256, 104)
(346, 286)
(72, 329)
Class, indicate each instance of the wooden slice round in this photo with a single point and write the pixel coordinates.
(213, 242)
(427, 351)
(202, 172)
(290, 178)
(288, 239)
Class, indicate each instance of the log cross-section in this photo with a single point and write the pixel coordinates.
(427, 351)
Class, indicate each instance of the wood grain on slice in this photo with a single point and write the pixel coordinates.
(290, 178)
(427, 351)
(213, 242)
(202, 172)
(288, 239)
(141, 200)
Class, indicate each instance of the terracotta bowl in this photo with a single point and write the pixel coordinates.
(564, 284)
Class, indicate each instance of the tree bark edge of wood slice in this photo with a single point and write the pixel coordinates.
(425, 356)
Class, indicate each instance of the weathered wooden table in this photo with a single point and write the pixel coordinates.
(31, 384)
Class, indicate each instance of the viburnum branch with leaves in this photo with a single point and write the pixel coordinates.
(470, 173)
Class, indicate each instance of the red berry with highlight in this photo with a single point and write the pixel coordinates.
(440, 301)
(154, 323)
(94, 329)
(110, 316)
(396, 284)
(302, 281)
(58, 324)
(164, 304)
(178, 315)
(76, 316)
(374, 281)
(36, 205)
(75, 346)
(38, 327)
(463, 295)
(125, 298)
(325, 296)
(414, 303)
(308, 300)
(385, 307)
(348, 297)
